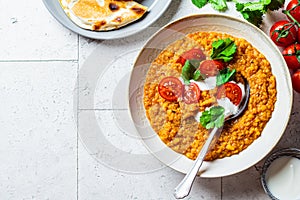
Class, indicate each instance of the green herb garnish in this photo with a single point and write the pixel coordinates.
(252, 11)
(214, 117)
(199, 3)
(225, 76)
(190, 71)
(219, 5)
(223, 50)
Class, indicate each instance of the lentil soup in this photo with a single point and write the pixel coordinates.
(174, 121)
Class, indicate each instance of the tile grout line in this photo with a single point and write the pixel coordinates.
(221, 188)
(51, 60)
(103, 109)
(77, 142)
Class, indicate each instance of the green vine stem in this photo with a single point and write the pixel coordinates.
(288, 13)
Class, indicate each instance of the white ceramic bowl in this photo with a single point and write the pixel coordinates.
(281, 167)
(237, 28)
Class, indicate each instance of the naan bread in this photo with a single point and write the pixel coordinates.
(103, 15)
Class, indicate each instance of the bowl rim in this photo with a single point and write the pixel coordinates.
(288, 83)
(290, 152)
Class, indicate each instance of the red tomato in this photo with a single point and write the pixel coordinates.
(211, 67)
(191, 93)
(294, 8)
(170, 88)
(232, 91)
(283, 33)
(296, 81)
(291, 55)
(193, 54)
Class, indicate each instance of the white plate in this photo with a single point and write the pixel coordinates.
(235, 27)
(158, 7)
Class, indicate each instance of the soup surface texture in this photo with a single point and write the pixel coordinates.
(176, 122)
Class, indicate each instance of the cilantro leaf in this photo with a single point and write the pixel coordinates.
(190, 71)
(187, 72)
(223, 50)
(225, 76)
(219, 5)
(199, 3)
(254, 11)
(254, 17)
(198, 75)
(275, 4)
(214, 117)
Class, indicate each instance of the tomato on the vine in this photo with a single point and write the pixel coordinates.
(296, 81)
(291, 55)
(283, 33)
(294, 9)
(211, 67)
(170, 88)
(191, 93)
(193, 54)
(232, 91)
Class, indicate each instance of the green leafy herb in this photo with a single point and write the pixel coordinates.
(275, 4)
(225, 76)
(199, 3)
(190, 71)
(214, 117)
(223, 50)
(198, 75)
(252, 11)
(219, 5)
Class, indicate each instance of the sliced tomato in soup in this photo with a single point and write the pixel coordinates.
(170, 88)
(193, 54)
(191, 93)
(232, 91)
(211, 67)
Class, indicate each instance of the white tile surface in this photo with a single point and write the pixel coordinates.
(38, 144)
(29, 32)
(244, 185)
(38, 130)
(105, 174)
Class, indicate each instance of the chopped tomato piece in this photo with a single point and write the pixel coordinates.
(193, 54)
(170, 88)
(232, 91)
(191, 93)
(211, 67)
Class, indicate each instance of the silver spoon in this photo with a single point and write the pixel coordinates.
(184, 187)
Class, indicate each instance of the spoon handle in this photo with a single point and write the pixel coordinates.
(184, 187)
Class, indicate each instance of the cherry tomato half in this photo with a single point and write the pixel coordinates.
(294, 8)
(193, 54)
(211, 67)
(170, 88)
(296, 81)
(283, 33)
(191, 93)
(291, 55)
(232, 91)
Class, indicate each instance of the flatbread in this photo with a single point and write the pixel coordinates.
(103, 15)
